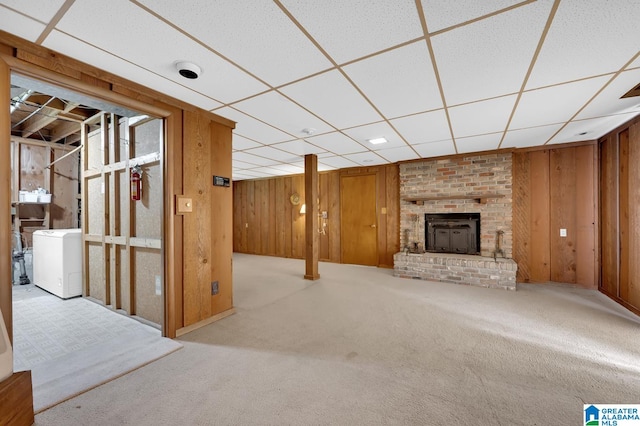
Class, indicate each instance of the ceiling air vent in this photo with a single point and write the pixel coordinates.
(632, 93)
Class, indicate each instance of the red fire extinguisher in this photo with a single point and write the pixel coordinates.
(136, 183)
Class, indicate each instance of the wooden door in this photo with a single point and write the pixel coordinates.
(359, 233)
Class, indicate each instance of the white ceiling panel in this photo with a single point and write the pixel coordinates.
(608, 101)
(116, 23)
(398, 154)
(240, 143)
(435, 149)
(489, 58)
(261, 172)
(377, 130)
(635, 63)
(20, 25)
(253, 159)
(337, 162)
(237, 176)
(594, 128)
(282, 113)
(300, 147)
(587, 38)
(81, 51)
(325, 167)
(478, 143)
(37, 9)
(291, 169)
(422, 128)
(274, 154)
(254, 34)
(554, 104)
(442, 14)
(481, 117)
(368, 26)
(366, 158)
(241, 165)
(252, 128)
(337, 143)
(318, 94)
(532, 136)
(394, 90)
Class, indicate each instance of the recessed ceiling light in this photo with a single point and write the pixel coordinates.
(582, 133)
(377, 141)
(308, 131)
(188, 70)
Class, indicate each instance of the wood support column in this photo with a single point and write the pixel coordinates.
(312, 236)
(5, 200)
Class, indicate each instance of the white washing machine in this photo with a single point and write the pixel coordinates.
(57, 261)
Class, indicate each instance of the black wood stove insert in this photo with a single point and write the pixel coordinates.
(453, 233)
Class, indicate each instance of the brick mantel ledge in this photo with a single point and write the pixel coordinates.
(457, 268)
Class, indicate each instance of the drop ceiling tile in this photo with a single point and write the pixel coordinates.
(319, 94)
(256, 35)
(442, 14)
(336, 143)
(608, 101)
(83, 52)
(489, 58)
(240, 143)
(368, 26)
(337, 162)
(481, 117)
(398, 90)
(253, 159)
(366, 158)
(280, 112)
(241, 165)
(533, 136)
(274, 154)
(20, 25)
(269, 171)
(422, 128)
(113, 26)
(290, 169)
(402, 153)
(377, 130)
(299, 147)
(580, 41)
(594, 128)
(634, 64)
(478, 143)
(238, 176)
(251, 128)
(435, 149)
(325, 167)
(554, 104)
(37, 9)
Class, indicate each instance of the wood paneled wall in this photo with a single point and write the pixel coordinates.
(553, 190)
(181, 241)
(619, 234)
(265, 221)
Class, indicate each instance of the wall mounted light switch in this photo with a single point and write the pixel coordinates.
(563, 232)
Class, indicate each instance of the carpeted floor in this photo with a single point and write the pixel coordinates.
(361, 347)
(73, 345)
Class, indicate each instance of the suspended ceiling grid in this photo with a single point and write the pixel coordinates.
(433, 77)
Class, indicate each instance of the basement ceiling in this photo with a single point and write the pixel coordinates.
(433, 77)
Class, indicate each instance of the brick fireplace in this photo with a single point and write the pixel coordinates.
(474, 186)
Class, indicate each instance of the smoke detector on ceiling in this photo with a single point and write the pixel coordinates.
(188, 70)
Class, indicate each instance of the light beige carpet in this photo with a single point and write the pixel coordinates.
(360, 347)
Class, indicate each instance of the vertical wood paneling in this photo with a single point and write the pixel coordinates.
(585, 254)
(271, 227)
(221, 205)
(634, 216)
(623, 214)
(288, 213)
(333, 220)
(5, 200)
(298, 234)
(563, 215)
(522, 215)
(197, 225)
(324, 207)
(281, 222)
(609, 216)
(540, 249)
(250, 224)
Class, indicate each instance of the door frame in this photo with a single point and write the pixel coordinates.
(9, 65)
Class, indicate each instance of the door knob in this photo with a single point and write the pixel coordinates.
(373, 226)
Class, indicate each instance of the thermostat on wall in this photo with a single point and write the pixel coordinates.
(221, 181)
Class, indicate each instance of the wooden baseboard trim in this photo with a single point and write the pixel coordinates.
(620, 301)
(16, 400)
(188, 329)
